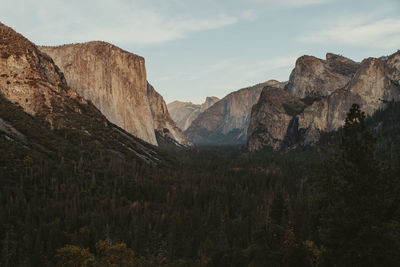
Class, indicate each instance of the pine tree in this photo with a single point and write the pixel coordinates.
(351, 194)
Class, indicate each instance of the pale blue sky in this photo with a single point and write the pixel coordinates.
(195, 49)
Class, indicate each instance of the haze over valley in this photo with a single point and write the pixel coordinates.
(186, 133)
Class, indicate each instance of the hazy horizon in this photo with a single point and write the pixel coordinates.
(210, 48)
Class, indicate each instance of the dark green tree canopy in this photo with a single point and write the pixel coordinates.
(358, 144)
(354, 197)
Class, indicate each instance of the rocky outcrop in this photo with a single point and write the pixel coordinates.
(227, 120)
(31, 80)
(376, 82)
(271, 118)
(184, 113)
(316, 77)
(11, 132)
(115, 82)
(277, 84)
(210, 100)
(164, 126)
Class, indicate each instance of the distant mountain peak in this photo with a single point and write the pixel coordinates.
(321, 93)
(30, 80)
(318, 77)
(116, 82)
(227, 120)
(184, 113)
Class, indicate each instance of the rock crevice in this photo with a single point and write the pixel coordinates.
(115, 81)
(333, 86)
(226, 122)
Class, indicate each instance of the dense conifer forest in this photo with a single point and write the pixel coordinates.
(68, 202)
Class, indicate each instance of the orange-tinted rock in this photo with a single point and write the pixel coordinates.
(114, 80)
(316, 77)
(30, 79)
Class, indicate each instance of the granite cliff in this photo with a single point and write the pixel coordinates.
(226, 121)
(375, 82)
(115, 81)
(270, 118)
(30, 80)
(316, 77)
(184, 113)
(164, 127)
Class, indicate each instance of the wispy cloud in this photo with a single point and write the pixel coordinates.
(152, 28)
(359, 32)
(264, 68)
(293, 3)
(231, 69)
(119, 21)
(249, 15)
(224, 76)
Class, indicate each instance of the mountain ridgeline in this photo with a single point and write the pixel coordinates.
(30, 82)
(79, 188)
(115, 81)
(227, 120)
(318, 97)
(184, 113)
(283, 115)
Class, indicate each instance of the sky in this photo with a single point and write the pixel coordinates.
(199, 48)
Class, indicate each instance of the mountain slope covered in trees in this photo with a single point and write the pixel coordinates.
(76, 190)
(209, 207)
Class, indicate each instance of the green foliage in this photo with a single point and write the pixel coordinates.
(315, 253)
(65, 190)
(358, 144)
(107, 254)
(73, 256)
(110, 254)
(354, 198)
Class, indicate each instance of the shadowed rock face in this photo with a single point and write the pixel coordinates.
(316, 77)
(271, 117)
(376, 81)
(227, 120)
(184, 113)
(115, 81)
(164, 126)
(31, 80)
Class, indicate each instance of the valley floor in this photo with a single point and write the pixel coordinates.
(208, 206)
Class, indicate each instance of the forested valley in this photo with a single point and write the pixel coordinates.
(72, 203)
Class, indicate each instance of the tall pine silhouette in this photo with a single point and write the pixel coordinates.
(357, 223)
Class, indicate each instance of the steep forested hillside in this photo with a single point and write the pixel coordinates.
(70, 198)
